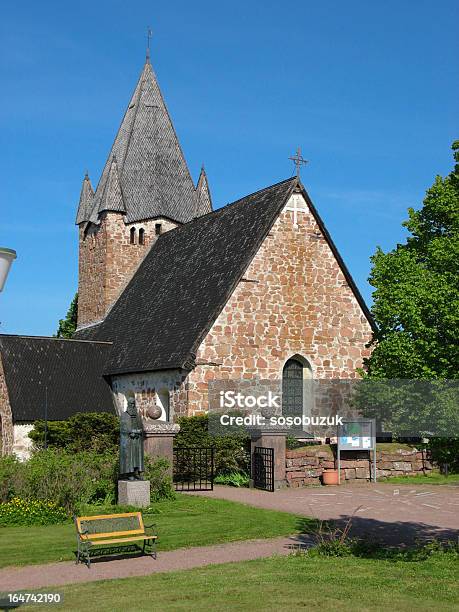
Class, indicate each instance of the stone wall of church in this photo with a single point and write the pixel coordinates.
(108, 260)
(293, 300)
(6, 419)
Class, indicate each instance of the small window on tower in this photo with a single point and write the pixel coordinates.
(141, 236)
(132, 235)
(157, 229)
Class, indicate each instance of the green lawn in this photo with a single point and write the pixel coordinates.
(184, 522)
(429, 479)
(278, 583)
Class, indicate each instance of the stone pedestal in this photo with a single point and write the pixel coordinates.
(134, 493)
(159, 440)
(275, 439)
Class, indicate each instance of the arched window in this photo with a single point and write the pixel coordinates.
(132, 235)
(295, 391)
(292, 388)
(141, 236)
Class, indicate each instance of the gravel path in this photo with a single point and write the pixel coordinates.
(394, 514)
(57, 574)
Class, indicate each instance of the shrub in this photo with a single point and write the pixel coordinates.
(445, 450)
(235, 479)
(84, 431)
(71, 480)
(12, 473)
(19, 511)
(292, 443)
(231, 451)
(63, 477)
(157, 472)
(374, 550)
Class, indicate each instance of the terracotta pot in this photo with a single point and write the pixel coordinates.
(330, 477)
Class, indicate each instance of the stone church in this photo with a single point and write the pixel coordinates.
(174, 294)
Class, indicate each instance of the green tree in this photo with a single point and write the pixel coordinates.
(416, 297)
(68, 325)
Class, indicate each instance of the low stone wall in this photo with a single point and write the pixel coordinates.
(305, 466)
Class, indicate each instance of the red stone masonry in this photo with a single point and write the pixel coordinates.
(107, 262)
(305, 466)
(292, 300)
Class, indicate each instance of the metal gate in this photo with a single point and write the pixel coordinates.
(193, 468)
(263, 468)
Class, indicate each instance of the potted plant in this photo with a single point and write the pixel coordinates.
(330, 477)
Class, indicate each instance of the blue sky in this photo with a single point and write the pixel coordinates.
(368, 90)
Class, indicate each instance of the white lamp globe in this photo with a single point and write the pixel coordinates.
(6, 259)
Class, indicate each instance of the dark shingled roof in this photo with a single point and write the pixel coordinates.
(203, 197)
(185, 280)
(183, 283)
(66, 373)
(151, 178)
(86, 201)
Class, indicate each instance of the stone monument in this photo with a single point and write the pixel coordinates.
(132, 489)
(159, 435)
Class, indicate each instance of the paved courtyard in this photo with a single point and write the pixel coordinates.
(391, 513)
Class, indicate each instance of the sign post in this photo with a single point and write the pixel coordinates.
(358, 435)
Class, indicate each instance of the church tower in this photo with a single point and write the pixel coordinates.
(145, 189)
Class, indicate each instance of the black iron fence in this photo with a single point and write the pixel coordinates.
(263, 468)
(194, 468)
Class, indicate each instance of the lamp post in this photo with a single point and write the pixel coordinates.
(6, 259)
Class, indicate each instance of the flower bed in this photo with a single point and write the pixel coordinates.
(19, 511)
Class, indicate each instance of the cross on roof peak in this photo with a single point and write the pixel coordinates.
(149, 35)
(299, 161)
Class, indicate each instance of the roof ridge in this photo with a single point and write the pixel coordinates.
(225, 207)
(26, 336)
(292, 178)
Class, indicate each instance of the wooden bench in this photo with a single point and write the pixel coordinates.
(110, 529)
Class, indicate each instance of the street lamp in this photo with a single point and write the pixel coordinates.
(6, 259)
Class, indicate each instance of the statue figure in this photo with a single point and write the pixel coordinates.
(131, 443)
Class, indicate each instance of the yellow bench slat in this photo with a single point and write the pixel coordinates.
(107, 534)
(131, 539)
(108, 516)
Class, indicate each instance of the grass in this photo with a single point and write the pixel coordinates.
(393, 447)
(432, 478)
(280, 583)
(184, 522)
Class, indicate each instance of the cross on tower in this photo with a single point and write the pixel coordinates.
(149, 35)
(299, 161)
